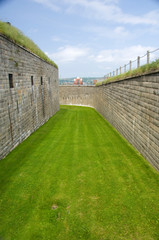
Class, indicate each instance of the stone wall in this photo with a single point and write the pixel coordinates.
(77, 95)
(131, 106)
(29, 98)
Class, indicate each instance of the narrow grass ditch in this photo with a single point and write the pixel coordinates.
(77, 178)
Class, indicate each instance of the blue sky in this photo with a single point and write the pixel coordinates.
(87, 38)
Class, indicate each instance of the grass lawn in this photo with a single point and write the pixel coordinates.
(77, 178)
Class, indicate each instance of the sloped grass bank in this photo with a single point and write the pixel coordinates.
(145, 69)
(77, 178)
(18, 37)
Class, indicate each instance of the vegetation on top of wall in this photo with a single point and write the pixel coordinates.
(145, 69)
(18, 37)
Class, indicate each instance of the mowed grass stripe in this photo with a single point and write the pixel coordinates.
(77, 178)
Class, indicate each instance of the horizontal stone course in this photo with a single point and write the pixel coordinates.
(77, 95)
(132, 107)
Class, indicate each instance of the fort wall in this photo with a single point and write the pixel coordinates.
(77, 95)
(29, 94)
(131, 106)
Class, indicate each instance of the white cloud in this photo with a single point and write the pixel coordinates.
(68, 54)
(112, 12)
(121, 31)
(121, 55)
(48, 3)
(100, 31)
(113, 57)
(107, 10)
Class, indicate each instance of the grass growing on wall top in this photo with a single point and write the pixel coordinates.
(145, 69)
(77, 178)
(18, 37)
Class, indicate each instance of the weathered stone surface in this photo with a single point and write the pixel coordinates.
(132, 107)
(25, 107)
(77, 95)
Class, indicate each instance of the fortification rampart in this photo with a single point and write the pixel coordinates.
(132, 107)
(77, 95)
(29, 94)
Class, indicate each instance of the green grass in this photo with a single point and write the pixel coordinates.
(145, 69)
(18, 37)
(101, 186)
